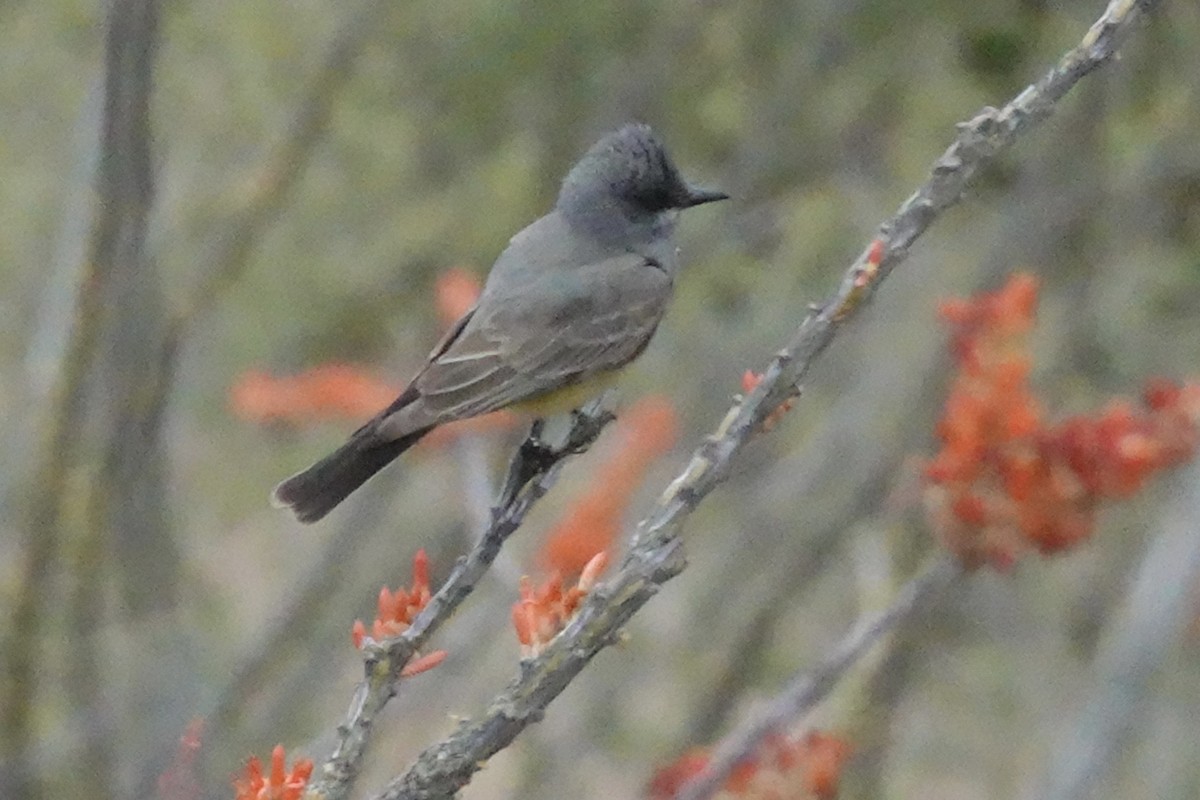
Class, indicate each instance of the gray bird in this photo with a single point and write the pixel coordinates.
(573, 298)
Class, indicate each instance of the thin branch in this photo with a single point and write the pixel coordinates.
(281, 169)
(656, 555)
(225, 259)
(811, 687)
(122, 488)
(385, 660)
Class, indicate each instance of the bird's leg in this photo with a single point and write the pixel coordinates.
(536, 429)
(532, 457)
(535, 457)
(586, 427)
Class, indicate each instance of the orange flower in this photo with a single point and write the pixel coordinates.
(864, 276)
(333, 392)
(645, 431)
(1004, 481)
(323, 393)
(544, 611)
(279, 785)
(668, 780)
(423, 663)
(398, 609)
(784, 768)
(870, 268)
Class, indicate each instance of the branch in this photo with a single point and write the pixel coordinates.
(123, 192)
(225, 259)
(385, 660)
(282, 167)
(656, 555)
(226, 255)
(978, 143)
(809, 688)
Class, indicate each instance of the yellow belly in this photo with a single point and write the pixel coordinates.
(567, 398)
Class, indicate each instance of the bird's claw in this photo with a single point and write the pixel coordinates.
(585, 429)
(533, 457)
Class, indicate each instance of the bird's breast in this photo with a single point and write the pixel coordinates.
(567, 398)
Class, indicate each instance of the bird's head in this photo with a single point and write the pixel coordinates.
(630, 169)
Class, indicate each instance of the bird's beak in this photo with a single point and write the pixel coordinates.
(697, 196)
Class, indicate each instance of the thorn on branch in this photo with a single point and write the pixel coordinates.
(750, 380)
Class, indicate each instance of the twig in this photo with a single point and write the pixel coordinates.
(811, 687)
(282, 167)
(226, 257)
(385, 660)
(656, 555)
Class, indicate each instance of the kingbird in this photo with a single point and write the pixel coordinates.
(573, 298)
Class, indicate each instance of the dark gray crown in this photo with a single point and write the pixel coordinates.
(629, 165)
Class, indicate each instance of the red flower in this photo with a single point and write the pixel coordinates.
(544, 611)
(667, 781)
(783, 768)
(336, 392)
(398, 609)
(279, 785)
(1004, 481)
(327, 392)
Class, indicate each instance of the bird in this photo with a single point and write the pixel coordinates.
(573, 298)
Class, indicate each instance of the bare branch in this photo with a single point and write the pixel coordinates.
(385, 660)
(226, 258)
(979, 141)
(656, 555)
(811, 687)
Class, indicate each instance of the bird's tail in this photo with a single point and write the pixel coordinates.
(315, 492)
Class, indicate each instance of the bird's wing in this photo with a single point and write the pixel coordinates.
(560, 330)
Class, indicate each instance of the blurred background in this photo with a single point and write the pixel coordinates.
(313, 169)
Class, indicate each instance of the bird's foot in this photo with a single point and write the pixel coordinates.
(532, 458)
(586, 429)
(535, 458)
